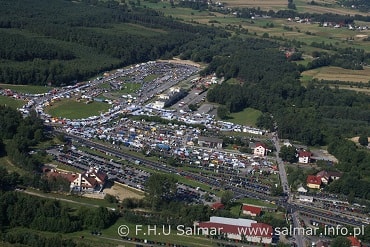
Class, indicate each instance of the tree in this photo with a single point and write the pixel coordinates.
(160, 188)
(227, 197)
(288, 154)
(363, 140)
(340, 242)
(265, 121)
(171, 161)
(366, 236)
(2, 148)
(291, 5)
(110, 198)
(277, 191)
(351, 197)
(222, 112)
(61, 137)
(193, 107)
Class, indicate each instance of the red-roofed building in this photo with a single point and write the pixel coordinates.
(354, 241)
(328, 177)
(304, 157)
(51, 173)
(260, 149)
(251, 210)
(89, 181)
(313, 182)
(252, 232)
(217, 206)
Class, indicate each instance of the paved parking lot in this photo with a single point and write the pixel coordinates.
(128, 174)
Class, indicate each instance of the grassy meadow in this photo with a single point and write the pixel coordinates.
(11, 102)
(263, 4)
(71, 109)
(246, 117)
(321, 6)
(336, 73)
(174, 237)
(30, 89)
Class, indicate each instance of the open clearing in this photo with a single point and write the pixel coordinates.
(11, 102)
(355, 139)
(67, 108)
(164, 234)
(6, 163)
(26, 88)
(352, 88)
(263, 4)
(321, 7)
(122, 192)
(340, 74)
(246, 117)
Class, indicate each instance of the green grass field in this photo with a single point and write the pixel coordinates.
(71, 109)
(246, 117)
(185, 14)
(150, 78)
(75, 201)
(9, 166)
(255, 202)
(306, 33)
(336, 73)
(159, 234)
(129, 88)
(81, 237)
(104, 85)
(26, 88)
(64, 167)
(11, 102)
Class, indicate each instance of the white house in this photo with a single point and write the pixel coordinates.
(302, 189)
(260, 149)
(304, 157)
(89, 181)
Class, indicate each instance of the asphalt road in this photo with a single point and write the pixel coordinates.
(324, 215)
(286, 189)
(214, 182)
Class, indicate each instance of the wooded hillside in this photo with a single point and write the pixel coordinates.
(58, 42)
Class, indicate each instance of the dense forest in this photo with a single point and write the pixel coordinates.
(268, 82)
(355, 163)
(21, 135)
(64, 41)
(20, 210)
(312, 114)
(362, 5)
(23, 216)
(73, 40)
